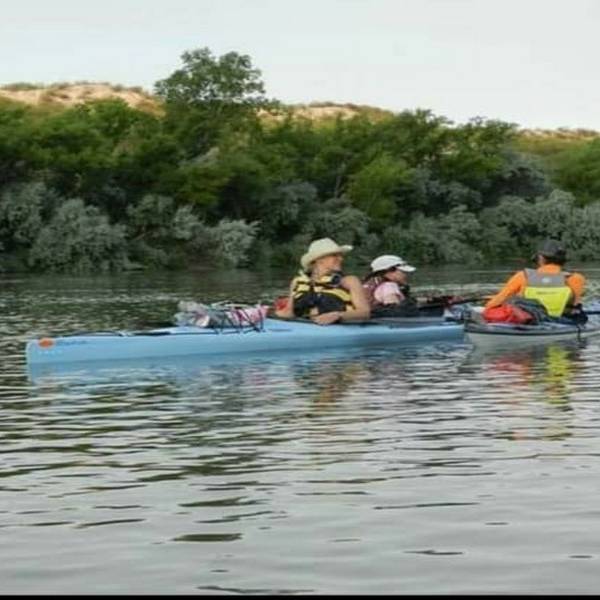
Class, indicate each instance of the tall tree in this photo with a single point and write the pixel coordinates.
(209, 95)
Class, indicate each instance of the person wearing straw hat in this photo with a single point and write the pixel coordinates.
(321, 291)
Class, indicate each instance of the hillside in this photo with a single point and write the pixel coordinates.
(320, 111)
(69, 94)
(550, 143)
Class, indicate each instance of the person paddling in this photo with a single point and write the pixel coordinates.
(387, 287)
(321, 291)
(559, 291)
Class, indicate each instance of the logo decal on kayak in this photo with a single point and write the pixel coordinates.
(46, 343)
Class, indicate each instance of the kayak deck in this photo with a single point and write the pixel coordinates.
(273, 335)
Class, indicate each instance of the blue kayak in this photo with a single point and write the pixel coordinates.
(272, 335)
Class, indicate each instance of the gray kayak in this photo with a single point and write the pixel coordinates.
(489, 335)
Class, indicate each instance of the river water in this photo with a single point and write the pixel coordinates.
(431, 469)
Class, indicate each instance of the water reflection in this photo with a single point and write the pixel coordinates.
(323, 374)
(547, 369)
(326, 383)
(251, 415)
(532, 378)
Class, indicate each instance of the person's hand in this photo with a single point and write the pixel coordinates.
(327, 318)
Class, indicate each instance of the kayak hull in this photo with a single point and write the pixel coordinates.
(491, 335)
(274, 336)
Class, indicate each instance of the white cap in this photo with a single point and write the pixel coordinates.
(388, 261)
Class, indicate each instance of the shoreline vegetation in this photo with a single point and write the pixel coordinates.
(208, 170)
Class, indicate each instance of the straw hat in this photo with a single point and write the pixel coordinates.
(320, 248)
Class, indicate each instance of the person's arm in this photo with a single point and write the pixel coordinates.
(576, 282)
(361, 308)
(389, 293)
(513, 286)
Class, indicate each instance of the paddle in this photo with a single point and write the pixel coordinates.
(449, 300)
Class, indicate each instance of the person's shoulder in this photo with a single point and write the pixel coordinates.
(350, 280)
(520, 275)
(300, 275)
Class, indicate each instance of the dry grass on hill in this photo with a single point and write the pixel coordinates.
(69, 94)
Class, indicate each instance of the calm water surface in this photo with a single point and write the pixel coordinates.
(430, 469)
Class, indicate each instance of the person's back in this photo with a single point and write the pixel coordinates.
(559, 291)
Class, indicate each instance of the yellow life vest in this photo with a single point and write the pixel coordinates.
(324, 294)
(549, 289)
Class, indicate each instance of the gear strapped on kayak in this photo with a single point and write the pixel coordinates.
(221, 315)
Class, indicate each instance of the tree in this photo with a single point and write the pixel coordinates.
(375, 188)
(578, 171)
(474, 155)
(209, 95)
(15, 134)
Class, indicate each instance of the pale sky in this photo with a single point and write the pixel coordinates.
(530, 62)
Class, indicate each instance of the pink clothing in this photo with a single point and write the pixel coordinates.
(378, 294)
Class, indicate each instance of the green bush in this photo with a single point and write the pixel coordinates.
(79, 239)
(452, 238)
(583, 236)
(231, 241)
(23, 210)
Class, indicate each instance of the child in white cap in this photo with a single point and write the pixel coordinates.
(387, 287)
